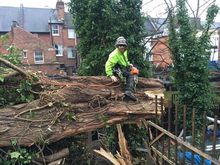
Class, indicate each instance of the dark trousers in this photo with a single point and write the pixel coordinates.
(129, 79)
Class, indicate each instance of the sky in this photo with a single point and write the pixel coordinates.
(155, 8)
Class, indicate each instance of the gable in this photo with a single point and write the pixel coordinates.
(25, 40)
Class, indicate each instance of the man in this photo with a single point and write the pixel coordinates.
(118, 59)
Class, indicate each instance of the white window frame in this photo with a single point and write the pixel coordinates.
(24, 53)
(38, 61)
(59, 49)
(55, 30)
(72, 54)
(71, 33)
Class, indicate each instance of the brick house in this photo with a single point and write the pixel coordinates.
(157, 42)
(46, 37)
(158, 48)
(161, 56)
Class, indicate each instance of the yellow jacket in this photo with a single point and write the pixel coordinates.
(116, 57)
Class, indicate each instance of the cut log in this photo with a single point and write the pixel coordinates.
(75, 105)
(58, 156)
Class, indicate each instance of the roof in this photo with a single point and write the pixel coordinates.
(155, 25)
(31, 19)
(159, 25)
(69, 21)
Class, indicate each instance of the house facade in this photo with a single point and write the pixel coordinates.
(158, 47)
(46, 37)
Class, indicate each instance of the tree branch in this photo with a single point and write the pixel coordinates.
(12, 66)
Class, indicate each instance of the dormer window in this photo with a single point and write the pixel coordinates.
(71, 33)
(55, 30)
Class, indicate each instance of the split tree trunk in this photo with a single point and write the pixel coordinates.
(75, 105)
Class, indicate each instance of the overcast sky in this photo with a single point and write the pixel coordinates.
(155, 8)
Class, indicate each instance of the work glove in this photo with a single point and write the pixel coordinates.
(114, 79)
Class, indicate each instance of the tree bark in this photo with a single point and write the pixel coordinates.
(75, 105)
(14, 67)
(54, 157)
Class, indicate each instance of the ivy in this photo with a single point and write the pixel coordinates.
(18, 92)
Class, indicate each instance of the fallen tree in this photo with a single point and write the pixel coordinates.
(77, 107)
(74, 105)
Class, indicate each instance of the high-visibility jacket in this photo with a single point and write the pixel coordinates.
(116, 57)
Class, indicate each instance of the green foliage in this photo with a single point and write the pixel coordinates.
(133, 134)
(135, 139)
(1, 78)
(21, 157)
(24, 91)
(98, 23)
(12, 94)
(13, 56)
(191, 57)
(17, 155)
(110, 138)
(71, 116)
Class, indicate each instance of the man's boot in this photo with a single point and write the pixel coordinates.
(130, 95)
(130, 87)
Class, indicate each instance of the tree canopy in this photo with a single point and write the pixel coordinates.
(98, 23)
(190, 50)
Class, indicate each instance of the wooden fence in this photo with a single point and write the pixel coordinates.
(169, 145)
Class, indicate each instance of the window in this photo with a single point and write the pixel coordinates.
(59, 50)
(55, 30)
(71, 33)
(24, 53)
(150, 57)
(38, 57)
(71, 53)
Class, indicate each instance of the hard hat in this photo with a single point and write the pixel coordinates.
(121, 41)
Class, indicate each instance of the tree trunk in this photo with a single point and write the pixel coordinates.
(75, 105)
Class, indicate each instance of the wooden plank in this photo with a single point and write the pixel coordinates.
(185, 144)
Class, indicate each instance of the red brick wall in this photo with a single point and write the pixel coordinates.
(27, 41)
(63, 39)
(24, 40)
(44, 68)
(45, 37)
(30, 42)
(161, 53)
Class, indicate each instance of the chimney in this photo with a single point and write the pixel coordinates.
(21, 16)
(13, 25)
(60, 9)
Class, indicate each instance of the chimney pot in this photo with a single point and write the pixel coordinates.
(15, 24)
(60, 9)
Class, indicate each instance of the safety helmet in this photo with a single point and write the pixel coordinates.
(121, 41)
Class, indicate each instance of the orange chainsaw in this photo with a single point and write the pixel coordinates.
(134, 71)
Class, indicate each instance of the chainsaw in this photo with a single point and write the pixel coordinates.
(134, 71)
